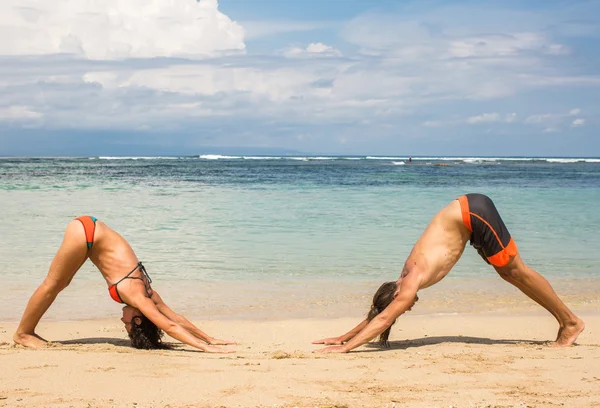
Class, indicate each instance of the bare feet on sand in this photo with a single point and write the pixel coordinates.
(29, 340)
(568, 334)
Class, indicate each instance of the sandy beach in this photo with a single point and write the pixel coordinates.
(461, 360)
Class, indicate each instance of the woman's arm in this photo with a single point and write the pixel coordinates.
(185, 323)
(344, 337)
(173, 329)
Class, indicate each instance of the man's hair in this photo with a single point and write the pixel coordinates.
(382, 298)
(146, 335)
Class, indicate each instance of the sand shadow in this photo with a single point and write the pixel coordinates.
(434, 340)
(123, 343)
(96, 340)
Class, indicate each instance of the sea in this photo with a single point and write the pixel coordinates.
(258, 237)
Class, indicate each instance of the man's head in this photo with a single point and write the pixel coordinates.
(381, 300)
(143, 333)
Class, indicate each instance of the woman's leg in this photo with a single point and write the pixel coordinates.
(72, 253)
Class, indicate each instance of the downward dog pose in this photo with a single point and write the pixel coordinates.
(145, 315)
(470, 217)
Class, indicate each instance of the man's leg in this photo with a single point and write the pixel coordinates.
(67, 261)
(538, 288)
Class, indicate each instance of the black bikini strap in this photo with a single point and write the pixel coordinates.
(143, 269)
(139, 265)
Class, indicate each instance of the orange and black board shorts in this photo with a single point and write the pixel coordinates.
(489, 235)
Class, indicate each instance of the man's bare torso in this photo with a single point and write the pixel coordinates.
(439, 247)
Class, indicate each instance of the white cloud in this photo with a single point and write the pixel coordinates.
(313, 49)
(258, 29)
(401, 68)
(540, 118)
(16, 113)
(485, 118)
(115, 29)
(496, 45)
(273, 83)
(557, 49)
(552, 122)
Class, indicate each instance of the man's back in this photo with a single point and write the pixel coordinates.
(439, 247)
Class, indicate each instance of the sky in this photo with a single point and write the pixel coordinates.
(338, 77)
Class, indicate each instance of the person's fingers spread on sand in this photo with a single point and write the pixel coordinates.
(217, 342)
(330, 340)
(210, 349)
(331, 349)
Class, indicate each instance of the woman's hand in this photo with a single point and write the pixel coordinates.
(217, 342)
(219, 350)
(331, 340)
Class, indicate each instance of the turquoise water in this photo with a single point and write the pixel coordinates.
(252, 224)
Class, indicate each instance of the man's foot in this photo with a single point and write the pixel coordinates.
(568, 334)
(29, 340)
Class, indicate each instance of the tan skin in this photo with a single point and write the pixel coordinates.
(433, 256)
(114, 257)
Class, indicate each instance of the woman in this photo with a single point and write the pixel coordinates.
(145, 317)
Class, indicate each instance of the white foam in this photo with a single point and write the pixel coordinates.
(135, 158)
(217, 157)
(385, 158)
(564, 160)
(397, 163)
(395, 159)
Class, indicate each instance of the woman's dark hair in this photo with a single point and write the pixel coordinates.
(382, 298)
(146, 335)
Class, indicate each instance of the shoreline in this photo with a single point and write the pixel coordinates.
(533, 312)
(272, 300)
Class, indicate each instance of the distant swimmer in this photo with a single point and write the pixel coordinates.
(471, 217)
(145, 315)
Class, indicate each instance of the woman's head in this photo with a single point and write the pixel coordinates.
(143, 333)
(381, 300)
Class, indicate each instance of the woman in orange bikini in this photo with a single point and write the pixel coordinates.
(145, 315)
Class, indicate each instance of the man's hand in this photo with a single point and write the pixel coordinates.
(332, 349)
(217, 342)
(331, 340)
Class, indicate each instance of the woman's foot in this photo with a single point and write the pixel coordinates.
(29, 340)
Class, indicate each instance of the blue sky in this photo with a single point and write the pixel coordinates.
(360, 77)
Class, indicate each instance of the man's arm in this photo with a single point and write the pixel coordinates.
(344, 337)
(185, 323)
(401, 303)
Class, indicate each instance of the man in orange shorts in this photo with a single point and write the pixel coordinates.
(471, 217)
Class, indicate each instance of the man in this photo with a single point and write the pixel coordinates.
(471, 217)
